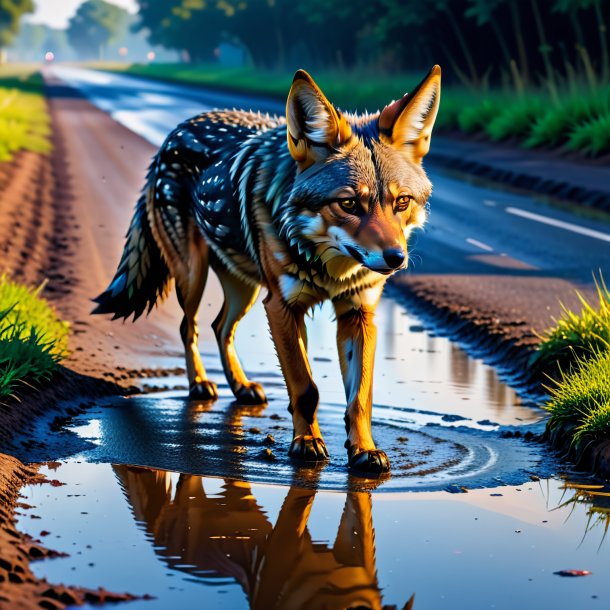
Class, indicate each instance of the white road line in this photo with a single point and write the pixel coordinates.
(479, 244)
(560, 224)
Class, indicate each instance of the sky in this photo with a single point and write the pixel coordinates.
(56, 13)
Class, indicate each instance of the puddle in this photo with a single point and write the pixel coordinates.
(195, 542)
(243, 529)
(441, 416)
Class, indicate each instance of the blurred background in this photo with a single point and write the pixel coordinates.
(534, 71)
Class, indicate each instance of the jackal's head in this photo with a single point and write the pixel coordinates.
(360, 188)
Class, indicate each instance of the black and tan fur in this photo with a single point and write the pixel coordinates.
(325, 217)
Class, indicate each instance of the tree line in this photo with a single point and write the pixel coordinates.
(481, 41)
(518, 42)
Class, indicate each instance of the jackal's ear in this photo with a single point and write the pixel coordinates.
(407, 124)
(314, 127)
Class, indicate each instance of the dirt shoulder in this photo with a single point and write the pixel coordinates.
(572, 179)
(64, 218)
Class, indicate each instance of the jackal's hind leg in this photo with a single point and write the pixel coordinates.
(189, 287)
(238, 298)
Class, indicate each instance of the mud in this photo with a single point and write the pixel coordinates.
(20, 588)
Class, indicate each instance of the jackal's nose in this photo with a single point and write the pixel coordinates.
(394, 257)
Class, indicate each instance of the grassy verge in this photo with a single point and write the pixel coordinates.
(33, 339)
(578, 120)
(24, 121)
(577, 352)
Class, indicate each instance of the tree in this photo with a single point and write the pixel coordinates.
(191, 26)
(11, 12)
(95, 24)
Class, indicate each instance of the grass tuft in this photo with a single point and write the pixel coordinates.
(582, 397)
(593, 137)
(575, 336)
(33, 339)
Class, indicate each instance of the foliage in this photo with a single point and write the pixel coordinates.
(24, 121)
(592, 137)
(576, 336)
(94, 25)
(578, 123)
(503, 41)
(515, 120)
(32, 338)
(582, 397)
(556, 126)
(11, 12)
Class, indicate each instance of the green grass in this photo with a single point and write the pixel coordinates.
(575, 335)
(24, 120)
(575, 122)
(575, 354)
(582, 398)
(33, 339)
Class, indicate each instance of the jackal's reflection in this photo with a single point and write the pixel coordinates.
(229, 535)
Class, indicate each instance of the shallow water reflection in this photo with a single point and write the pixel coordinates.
(228, 535)
(202, 542)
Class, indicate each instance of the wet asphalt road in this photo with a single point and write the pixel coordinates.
(473, 229)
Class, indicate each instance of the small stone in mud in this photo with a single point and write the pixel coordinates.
(254, 431)
(44, 533)
(496, 495)
(402, 439)
(269, 440)
(486, 422)
(275, 416)
(452, 418)
(268, 455)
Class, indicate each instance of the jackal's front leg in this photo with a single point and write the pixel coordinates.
(288, 332)
(356, 340)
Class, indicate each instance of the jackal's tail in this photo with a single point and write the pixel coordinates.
(142, 276)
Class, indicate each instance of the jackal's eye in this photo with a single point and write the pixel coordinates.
(348, 205)
(402, 202)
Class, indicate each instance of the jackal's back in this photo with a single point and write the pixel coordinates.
(202, 175)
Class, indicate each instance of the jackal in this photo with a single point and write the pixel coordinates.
(318, 205)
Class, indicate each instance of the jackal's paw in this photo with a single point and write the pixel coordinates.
(308, 448)
(203, 390)
(367, 462)
(250, 394)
